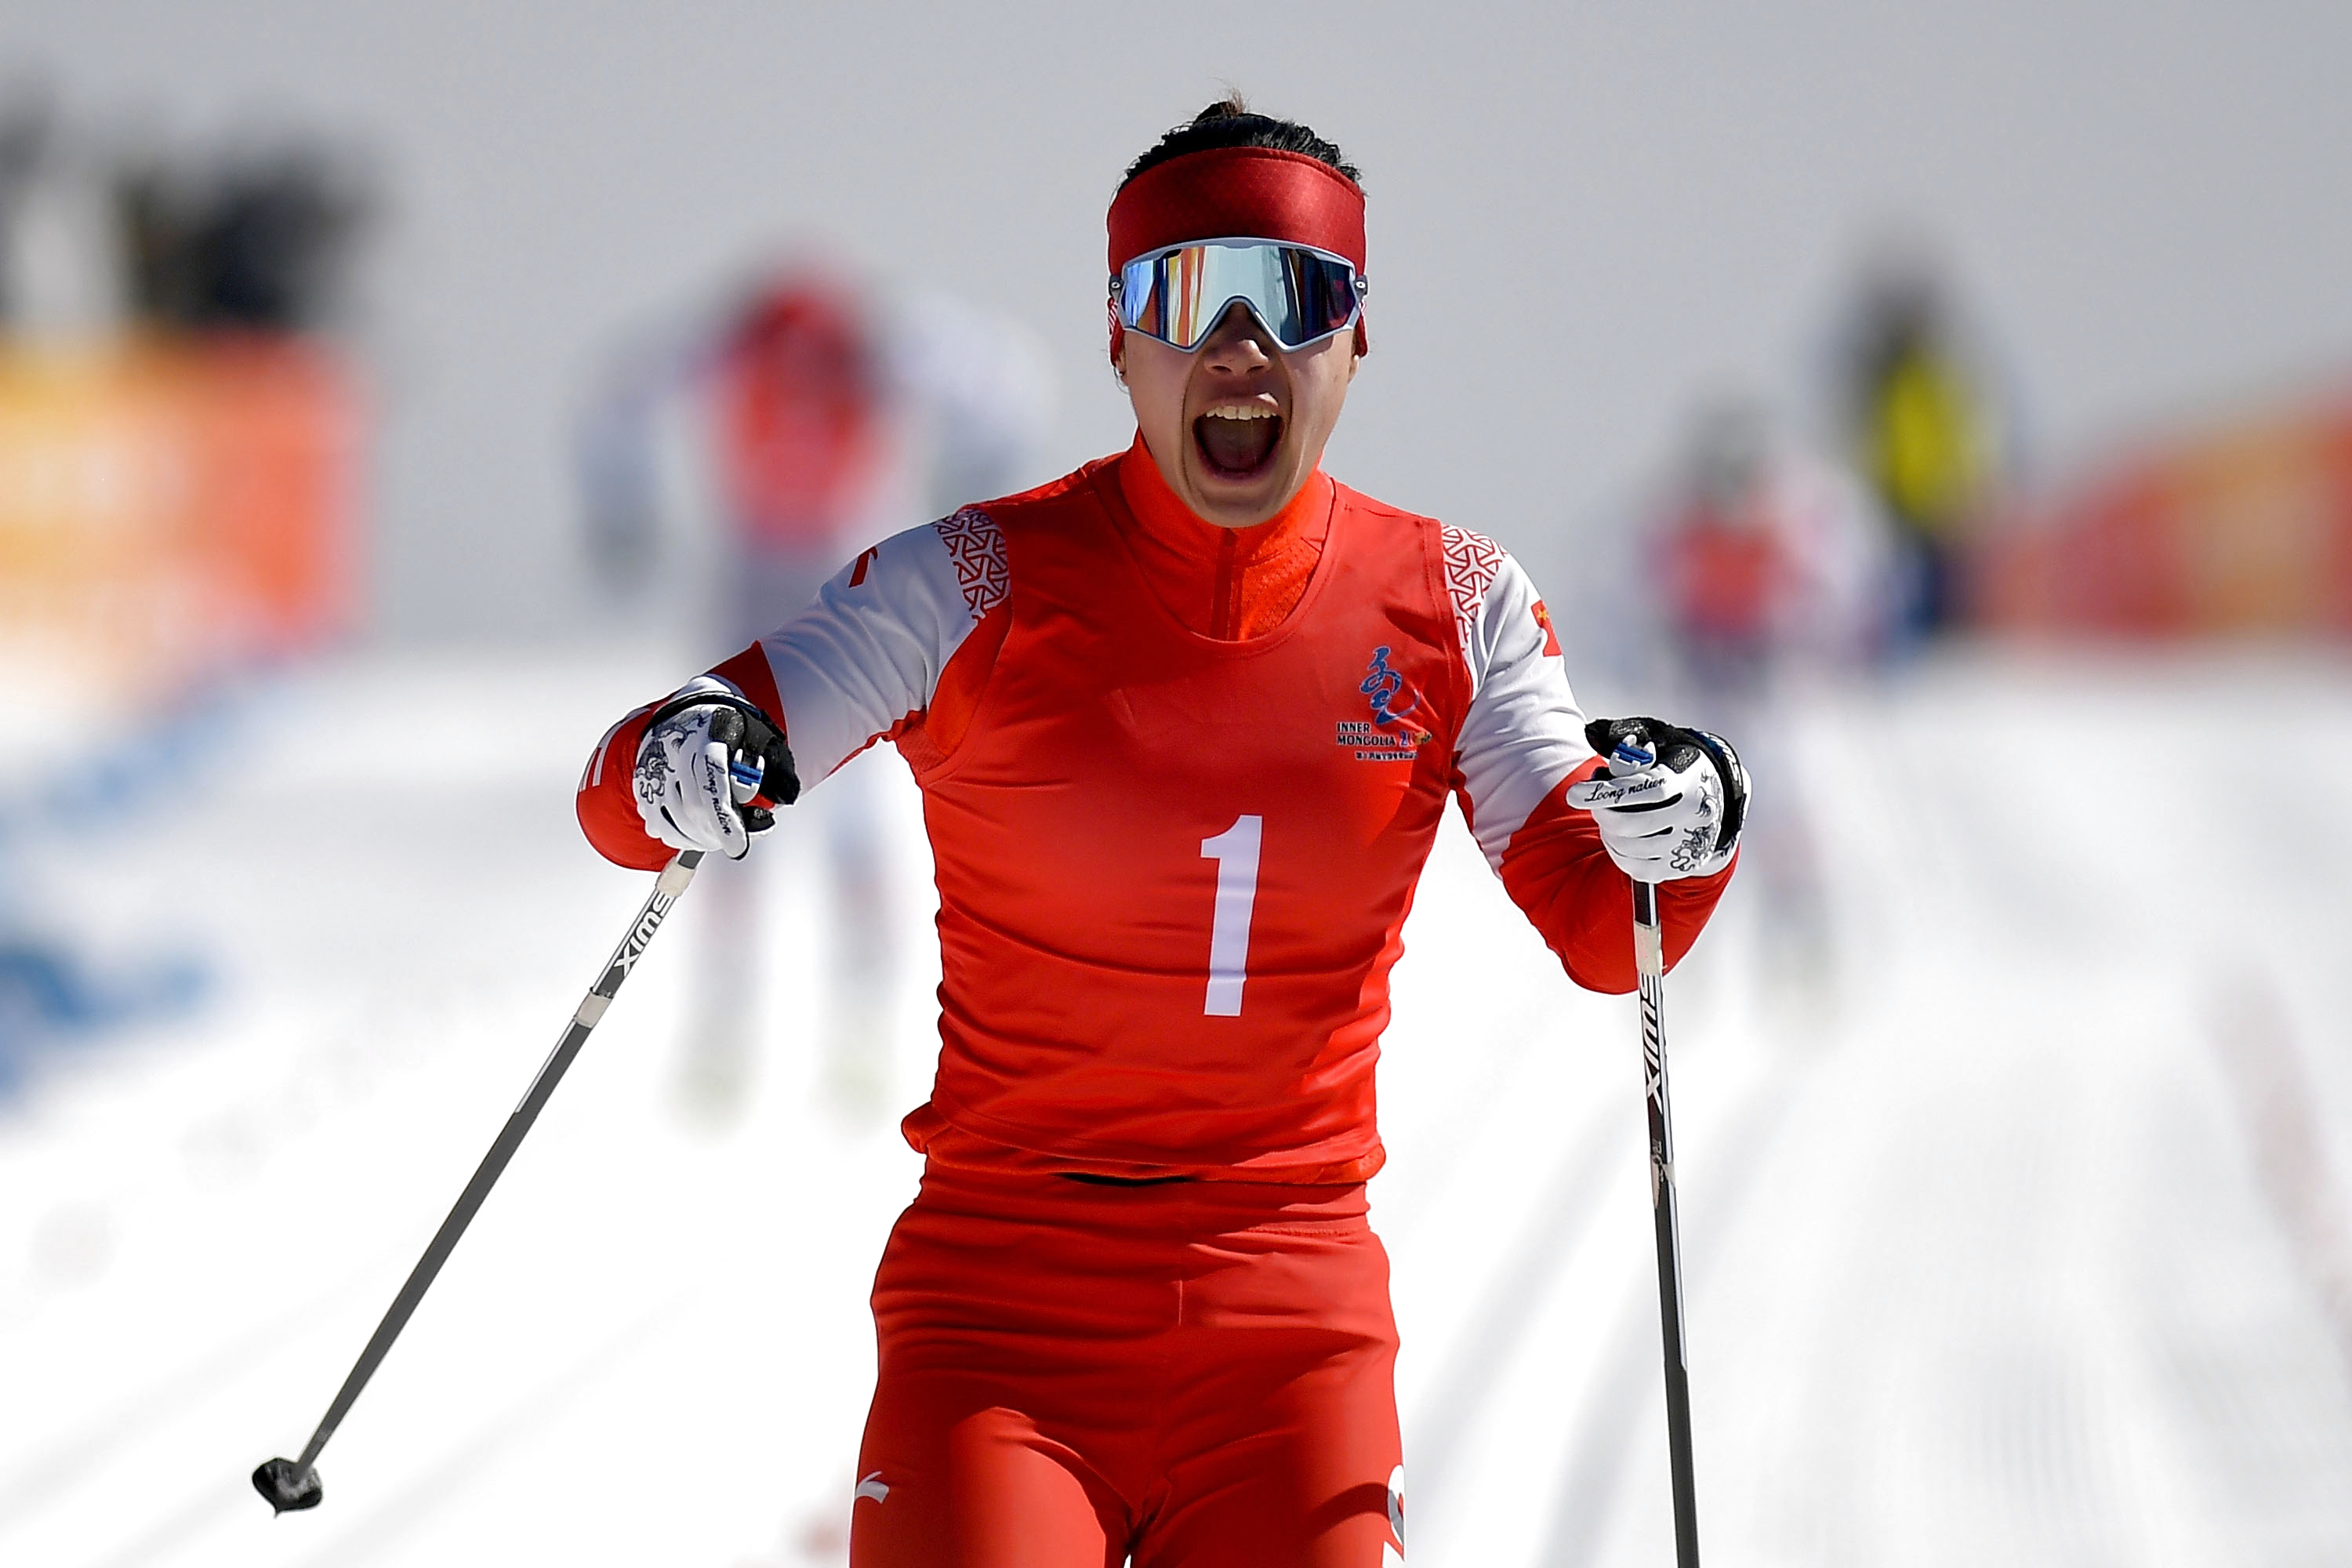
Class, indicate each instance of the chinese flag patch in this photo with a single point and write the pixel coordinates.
(1551, 637)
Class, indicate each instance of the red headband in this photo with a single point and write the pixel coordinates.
(1256, 192)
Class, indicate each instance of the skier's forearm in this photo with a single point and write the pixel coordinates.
(1559, 875)
(893, 629)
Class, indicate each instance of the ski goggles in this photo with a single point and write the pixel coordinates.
(1177, 295)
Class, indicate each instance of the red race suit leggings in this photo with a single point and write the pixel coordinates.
(1197, 1373)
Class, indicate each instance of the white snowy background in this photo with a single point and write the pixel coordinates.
(2018, 1228)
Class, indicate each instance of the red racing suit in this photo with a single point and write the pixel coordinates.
(1173, 867)
(1179, 783)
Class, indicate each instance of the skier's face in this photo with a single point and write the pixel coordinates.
(1238, 425)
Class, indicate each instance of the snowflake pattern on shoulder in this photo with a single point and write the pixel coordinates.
(976, 545)
(1471, 561)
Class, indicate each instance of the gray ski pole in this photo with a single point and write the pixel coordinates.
(294, 1483)
(1650, 964)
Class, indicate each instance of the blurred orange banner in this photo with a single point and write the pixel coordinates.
(2247, 529)
(172, 511)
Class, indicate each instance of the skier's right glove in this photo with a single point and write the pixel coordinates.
(708, 772)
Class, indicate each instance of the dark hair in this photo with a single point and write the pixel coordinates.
(1230, 123)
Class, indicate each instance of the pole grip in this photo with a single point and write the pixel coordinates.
(1649, 939)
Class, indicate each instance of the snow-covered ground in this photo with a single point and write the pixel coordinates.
(2017, 1214)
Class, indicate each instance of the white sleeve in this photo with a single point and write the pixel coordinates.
(867, 653)
(1524, 732)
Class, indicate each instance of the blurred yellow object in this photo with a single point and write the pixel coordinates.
(1928, 450)
(171, 509)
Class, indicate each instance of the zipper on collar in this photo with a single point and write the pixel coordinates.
(1224, 603)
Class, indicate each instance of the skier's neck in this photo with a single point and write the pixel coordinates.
(1164, 514)
(1224, 583)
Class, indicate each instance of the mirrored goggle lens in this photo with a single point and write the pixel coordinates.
(1178, 296)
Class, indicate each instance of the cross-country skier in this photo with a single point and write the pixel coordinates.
(1185, 723)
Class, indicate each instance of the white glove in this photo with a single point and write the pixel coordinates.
(706, 772)
(1670, 802)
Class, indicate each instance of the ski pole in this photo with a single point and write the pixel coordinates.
(294, 1483)
(1649, 961)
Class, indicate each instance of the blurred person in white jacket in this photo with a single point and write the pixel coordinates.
(739, 460)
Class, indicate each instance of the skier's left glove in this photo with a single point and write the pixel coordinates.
(1670, 803)
(708, 772)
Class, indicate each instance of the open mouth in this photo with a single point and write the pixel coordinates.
(1237, 441)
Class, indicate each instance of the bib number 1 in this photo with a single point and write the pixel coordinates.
(1235, 852)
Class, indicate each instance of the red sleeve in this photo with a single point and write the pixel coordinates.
(607, 808)
(1557, 872)
(749, 673)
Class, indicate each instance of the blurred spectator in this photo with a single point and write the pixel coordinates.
(257, 243)
(1769, 560)
(766, 444)
(1772, 568)
(1922, 425)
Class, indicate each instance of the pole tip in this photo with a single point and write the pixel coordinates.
(286, 1485)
